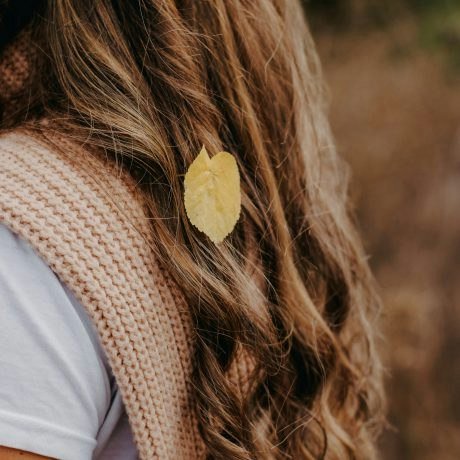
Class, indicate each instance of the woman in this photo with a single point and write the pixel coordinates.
(259, 347)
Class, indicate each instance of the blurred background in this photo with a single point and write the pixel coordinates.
(393, 72)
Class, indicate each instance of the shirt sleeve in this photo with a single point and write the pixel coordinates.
(55, 383)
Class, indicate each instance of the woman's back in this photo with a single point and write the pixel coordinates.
(261, 346)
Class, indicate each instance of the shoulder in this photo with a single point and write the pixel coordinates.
(28, 285)
(45, 329)
(83, 216)
(91, 227)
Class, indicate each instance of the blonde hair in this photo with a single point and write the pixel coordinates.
(150, 82)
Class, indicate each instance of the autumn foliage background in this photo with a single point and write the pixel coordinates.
(393, 72)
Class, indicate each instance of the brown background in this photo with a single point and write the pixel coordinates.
(393, 73)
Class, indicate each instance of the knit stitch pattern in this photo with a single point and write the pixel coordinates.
(15, 71)
(86, 219)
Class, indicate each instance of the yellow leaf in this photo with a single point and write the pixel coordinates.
(212, 194)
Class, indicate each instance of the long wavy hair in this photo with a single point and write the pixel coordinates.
(150, 82)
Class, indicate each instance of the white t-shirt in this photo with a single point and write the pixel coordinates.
(58, 396)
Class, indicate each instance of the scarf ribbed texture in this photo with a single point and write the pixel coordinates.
(86, 219)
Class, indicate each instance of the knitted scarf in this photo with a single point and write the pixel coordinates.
(87, 220)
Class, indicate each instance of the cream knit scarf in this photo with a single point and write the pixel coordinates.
(87, 220)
